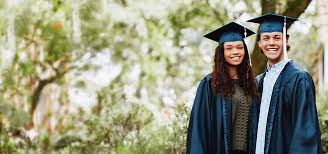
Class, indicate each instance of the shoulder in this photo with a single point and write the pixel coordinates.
(207, 78)
(205, 81)
(258, 78)
(294, 71)
(294, 74)
(203, 93)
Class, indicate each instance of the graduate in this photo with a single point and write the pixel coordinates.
(288, 119)
(226, 99)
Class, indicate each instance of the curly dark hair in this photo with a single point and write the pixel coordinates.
(222, 83)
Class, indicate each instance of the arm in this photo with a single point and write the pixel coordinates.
(306, 134)
(253, 122)
(199, 123)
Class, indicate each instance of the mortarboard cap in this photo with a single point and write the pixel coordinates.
(272, 22)
(229, 33)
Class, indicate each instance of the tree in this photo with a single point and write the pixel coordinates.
(155, 56)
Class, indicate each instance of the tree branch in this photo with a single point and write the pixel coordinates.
(296, 8)
(43, 83)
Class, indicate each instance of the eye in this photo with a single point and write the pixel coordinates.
(229, 48)
(278, 38)
(265, 38)
(240, 47)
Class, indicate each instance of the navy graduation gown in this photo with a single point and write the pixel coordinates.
(209, 130)
(292, 124)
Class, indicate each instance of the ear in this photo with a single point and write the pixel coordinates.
(287, 37)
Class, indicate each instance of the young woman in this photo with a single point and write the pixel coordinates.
(225, 106)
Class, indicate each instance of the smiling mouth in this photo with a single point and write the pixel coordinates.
(273, 50)
(235, 58)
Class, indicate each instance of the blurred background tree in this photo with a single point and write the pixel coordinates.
(119, 76)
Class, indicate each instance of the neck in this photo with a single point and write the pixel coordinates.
(274, 62)
(271, 63)
(233, 72)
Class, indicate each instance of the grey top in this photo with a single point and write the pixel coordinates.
(240, 112)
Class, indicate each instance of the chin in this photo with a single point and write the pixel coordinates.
(276, 59)
(272, 57)
(235, 63)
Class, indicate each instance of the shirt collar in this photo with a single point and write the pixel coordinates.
(278, 66)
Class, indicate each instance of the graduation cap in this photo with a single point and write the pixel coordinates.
(229, 33)
(274, 23)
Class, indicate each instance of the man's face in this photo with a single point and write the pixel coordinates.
(272, 46)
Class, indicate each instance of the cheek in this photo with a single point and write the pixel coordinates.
(226, 54)
(242, 52)
(280, 43)
(261, 44)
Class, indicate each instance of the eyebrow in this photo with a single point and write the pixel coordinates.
(277, 35)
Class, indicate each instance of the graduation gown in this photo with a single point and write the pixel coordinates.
(292, 124)
(209, 130)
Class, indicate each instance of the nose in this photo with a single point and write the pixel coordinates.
(234, 51)
(271, 41)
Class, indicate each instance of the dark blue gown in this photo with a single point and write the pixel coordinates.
(209, 130)
(292, 124)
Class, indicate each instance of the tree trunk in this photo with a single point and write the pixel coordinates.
(323, 29)
(9, 54)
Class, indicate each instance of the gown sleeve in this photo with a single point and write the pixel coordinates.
(253, 121)
(198, 138)
(306, 135)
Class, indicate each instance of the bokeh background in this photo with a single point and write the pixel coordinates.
(120, 76)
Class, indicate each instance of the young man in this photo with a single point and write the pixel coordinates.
(288, 120)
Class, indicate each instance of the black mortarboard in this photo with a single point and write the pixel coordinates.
(272, 22)
(229, 33)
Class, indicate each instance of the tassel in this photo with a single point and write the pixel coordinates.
(284, 39)
(249, 56)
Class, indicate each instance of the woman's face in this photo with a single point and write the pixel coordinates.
(234, 52)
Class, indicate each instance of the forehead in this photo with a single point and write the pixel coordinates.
(233, 43)
(271, 34)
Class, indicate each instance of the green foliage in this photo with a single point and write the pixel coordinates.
(176, 141)
(156, 56)
(6, 144)
(58, 45)
(27, 68)
(23, 22)
(323, 120)
(129, 131)
(12, 138)
(98, 35)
